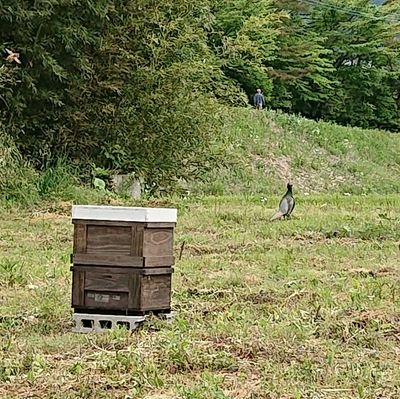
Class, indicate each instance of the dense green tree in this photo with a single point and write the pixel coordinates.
(155, 91)
(364, 50)
(320, 58)
(128, 85)
(132, 86)
(55, 40)
(302, 72)
(245, 40)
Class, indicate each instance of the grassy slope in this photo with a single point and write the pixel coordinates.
(283, 310)
(267, 148)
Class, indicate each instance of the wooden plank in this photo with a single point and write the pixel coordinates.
(157, 261)
(155, 293)
(121, 289)
(137, 240)
(158, 242)
(106, 223)
(134, 291)
(154, 225)
(80, 236)
(123, 270)
(78, 288)
(104, 239)
(106, 300)
(99, 281)
(101, 269)
(107, 260)
(156, 271)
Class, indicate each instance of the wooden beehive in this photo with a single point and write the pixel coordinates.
(122, 259)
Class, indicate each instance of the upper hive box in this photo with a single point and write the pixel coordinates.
(123, 236)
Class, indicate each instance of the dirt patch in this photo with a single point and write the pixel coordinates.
(382, 272)
(281, 169)
(363, 317)
(311, 238)
(199, 250)
(363, 327)
(258, 298)
(210, 294)
(312, 169)
(161, 396)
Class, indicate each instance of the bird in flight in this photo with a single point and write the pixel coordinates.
(12, 57)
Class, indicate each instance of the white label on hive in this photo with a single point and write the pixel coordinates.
(116, 297)
(102, 298)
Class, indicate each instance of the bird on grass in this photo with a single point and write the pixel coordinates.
(286, 205)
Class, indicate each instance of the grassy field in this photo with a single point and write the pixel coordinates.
(305, 308)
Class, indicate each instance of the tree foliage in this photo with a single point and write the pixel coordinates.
(364, 51)
(245, 40)
(126, 85)
(136, 86)
(302, 73)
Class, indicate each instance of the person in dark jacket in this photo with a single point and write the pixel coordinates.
(259, 100)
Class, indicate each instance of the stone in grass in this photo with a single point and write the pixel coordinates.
(127, 184)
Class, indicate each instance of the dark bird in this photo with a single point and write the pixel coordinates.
(286, 205)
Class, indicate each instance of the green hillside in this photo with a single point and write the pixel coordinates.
(256, 153)
(264, 149)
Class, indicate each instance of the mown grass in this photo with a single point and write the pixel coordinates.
(304, 308)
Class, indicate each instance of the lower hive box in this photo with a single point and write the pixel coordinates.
(127, 291)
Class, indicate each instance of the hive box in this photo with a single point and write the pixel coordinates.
(121, 290)
(123, 237)
(122, 259)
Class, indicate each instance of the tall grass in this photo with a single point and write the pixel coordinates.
(20, 184)
(60, 182)
(17, 178)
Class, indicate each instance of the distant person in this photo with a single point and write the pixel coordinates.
(259, 100)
